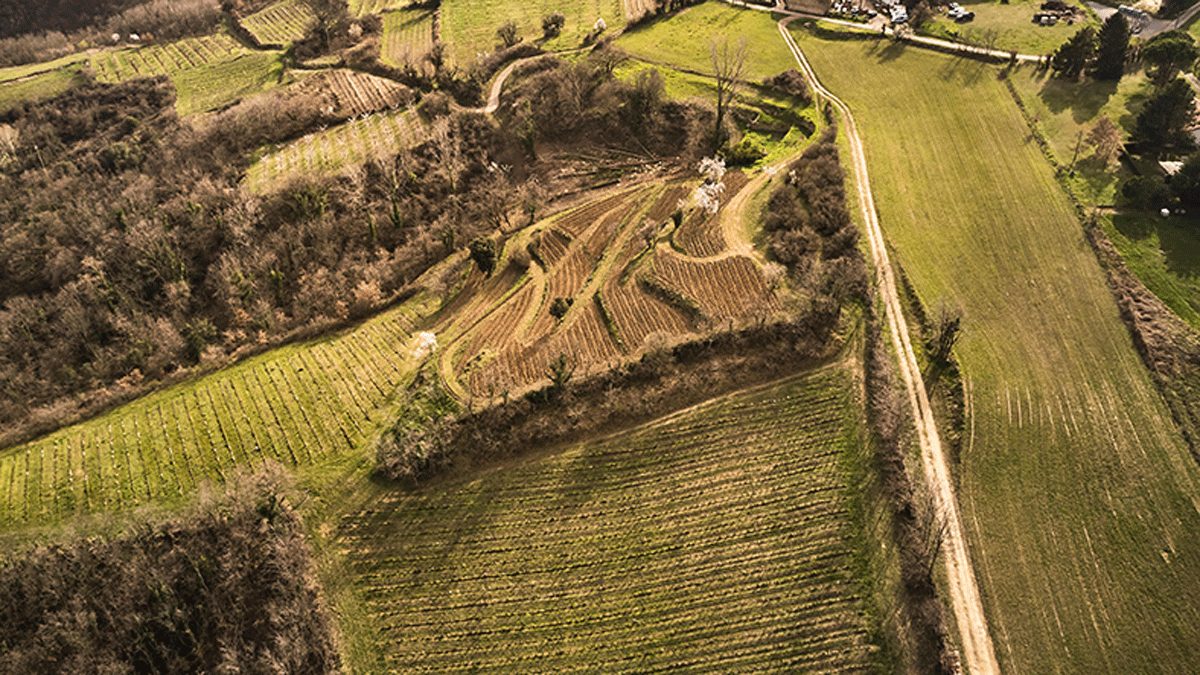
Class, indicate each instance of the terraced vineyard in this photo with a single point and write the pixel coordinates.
(720, 539)
(338, 149)
(361, 7)
(621, 289)
(281, 23)
(207, 72)
(407, 37)
(469, 26)
(349, 93)
(295, 405)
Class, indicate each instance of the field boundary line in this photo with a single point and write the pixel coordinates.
(978, 651)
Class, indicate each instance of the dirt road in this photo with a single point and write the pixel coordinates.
(979, 655)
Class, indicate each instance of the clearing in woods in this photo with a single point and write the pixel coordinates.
(721, 537)
(469, 26)
(1079, 498)
(350, 93)
(281, 23)
(10, 73)
(37, 87)
(407, 38)
(208, 72)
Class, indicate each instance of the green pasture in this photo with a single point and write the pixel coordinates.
(1081, 502)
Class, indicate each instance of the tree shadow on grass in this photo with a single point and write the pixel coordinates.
(1084, 98)
(964, 70)
(885, 51)
(1178, 239)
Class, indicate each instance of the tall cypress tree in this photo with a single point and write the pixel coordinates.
(1113, 50)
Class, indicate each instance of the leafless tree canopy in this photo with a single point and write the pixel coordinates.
(729, 65)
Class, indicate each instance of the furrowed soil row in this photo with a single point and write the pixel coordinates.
(407, 38)
(281, 23)
(728, 287)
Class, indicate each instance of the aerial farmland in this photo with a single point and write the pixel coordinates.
(385, 336)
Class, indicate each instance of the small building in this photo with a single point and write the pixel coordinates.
(1170, 167)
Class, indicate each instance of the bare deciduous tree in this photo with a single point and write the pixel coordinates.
(1105, 140)
(728, 63)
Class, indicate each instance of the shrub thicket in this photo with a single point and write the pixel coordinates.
(229, 589)
(809, 228)
(559, 102)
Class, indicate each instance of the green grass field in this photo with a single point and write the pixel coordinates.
(37, 87)
(407, 37)
(722, 538)
(684, 41)
(469, 26)
(208, 72)
(295, 405)
(337, 149)
(20, 72)
(1165, 255)
(1012, 25)
(281, 23)
(1081, 503)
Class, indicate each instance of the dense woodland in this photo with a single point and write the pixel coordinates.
(227, 589)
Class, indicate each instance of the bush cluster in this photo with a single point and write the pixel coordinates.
(561, 102)
(229, 589)
(809, 229)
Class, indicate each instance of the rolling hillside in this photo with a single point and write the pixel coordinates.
(1079, 496)
(719, 538)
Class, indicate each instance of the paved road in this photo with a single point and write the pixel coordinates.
(1154, 26)
(903, 34)
(978, 653)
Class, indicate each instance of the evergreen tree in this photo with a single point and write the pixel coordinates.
(1113, 50)
(1164, 120)
(1186, 183)
(1169, 53)
(1073, 56)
